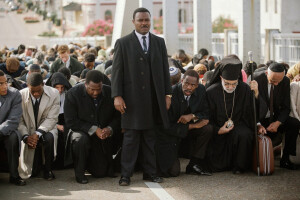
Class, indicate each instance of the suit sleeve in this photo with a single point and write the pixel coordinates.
(71, 115)
(117, 75)
(168, 88)
(52, 117)
(12, 121)
(203, 107)
(295, 88)
(285, 107)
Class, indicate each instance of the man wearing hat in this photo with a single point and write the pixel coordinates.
(274, 88)
(231, 115)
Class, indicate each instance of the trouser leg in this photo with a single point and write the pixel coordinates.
(80, 152)
(200, 140)
(11, 143)
(291, 133)
(130, 149)
(48, 144)
(149, 158)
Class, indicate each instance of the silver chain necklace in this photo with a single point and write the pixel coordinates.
(229, 122)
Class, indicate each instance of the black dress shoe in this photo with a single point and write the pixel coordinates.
(48, 175)
(196, 169)
(17, 181)
(153, 178)
(83, 180)
(287, 164)
(124, 181)
(237, 171)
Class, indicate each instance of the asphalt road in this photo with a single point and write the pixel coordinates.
(15, 31)
(283, 184)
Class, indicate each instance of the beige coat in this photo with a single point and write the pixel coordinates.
(295, 100)
(47, 119)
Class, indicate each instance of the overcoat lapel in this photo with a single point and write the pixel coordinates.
(137, 45)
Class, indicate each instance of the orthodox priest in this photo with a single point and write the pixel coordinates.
(231, 115)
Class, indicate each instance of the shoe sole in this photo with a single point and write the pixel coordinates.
(124, 184)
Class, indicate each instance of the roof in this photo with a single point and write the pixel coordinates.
(72, 7)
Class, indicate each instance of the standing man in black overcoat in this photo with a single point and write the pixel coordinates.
(141, 90)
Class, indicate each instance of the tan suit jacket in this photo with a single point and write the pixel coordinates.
(47, 119)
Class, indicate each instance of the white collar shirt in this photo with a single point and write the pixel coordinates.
(140, 37)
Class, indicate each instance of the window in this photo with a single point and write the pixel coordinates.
(182, 16)
(161, 13)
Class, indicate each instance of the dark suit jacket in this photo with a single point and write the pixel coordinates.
(81, 114)
(131, 79)
(281, 101)
(168, 139)
(75, 65)
(198, 106)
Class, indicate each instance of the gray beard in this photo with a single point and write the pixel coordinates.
(226, 90)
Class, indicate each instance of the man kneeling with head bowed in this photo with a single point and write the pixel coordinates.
(10, 114)
(92, 118)
(40, 105)
(231, 114)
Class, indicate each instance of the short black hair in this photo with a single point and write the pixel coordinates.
(140, 10)
(94, 76)
(66, 71)
(35, 79)
(192, 73)
(34, 68)
(1, 73)
(45, 67)
(203, 52)
(89, 57)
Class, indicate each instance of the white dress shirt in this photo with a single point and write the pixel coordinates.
(140, 37)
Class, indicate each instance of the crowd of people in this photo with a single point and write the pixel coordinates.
(93, 109)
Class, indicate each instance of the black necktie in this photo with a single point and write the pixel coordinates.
(271, 102)
(36, 111)
(187, 100)
(144, 44)
(96, 102)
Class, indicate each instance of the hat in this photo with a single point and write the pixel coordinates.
(276, 67)
(173, 71)
(230, 68)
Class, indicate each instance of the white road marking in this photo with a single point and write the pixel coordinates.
(159, 191)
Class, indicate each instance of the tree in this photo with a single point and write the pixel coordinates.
(222, 23)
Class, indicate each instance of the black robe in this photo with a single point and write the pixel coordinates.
(233, 149)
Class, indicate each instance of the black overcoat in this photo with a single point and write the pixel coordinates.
(133, 73)
(81, 114)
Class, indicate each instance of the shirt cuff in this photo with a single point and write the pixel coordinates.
(39, 134)
(92, 130)
(111, 130)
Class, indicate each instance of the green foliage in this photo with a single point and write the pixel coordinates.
(48, 34)
(29, 5)
(222, 23)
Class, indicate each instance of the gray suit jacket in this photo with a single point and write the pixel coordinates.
(10, 112)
